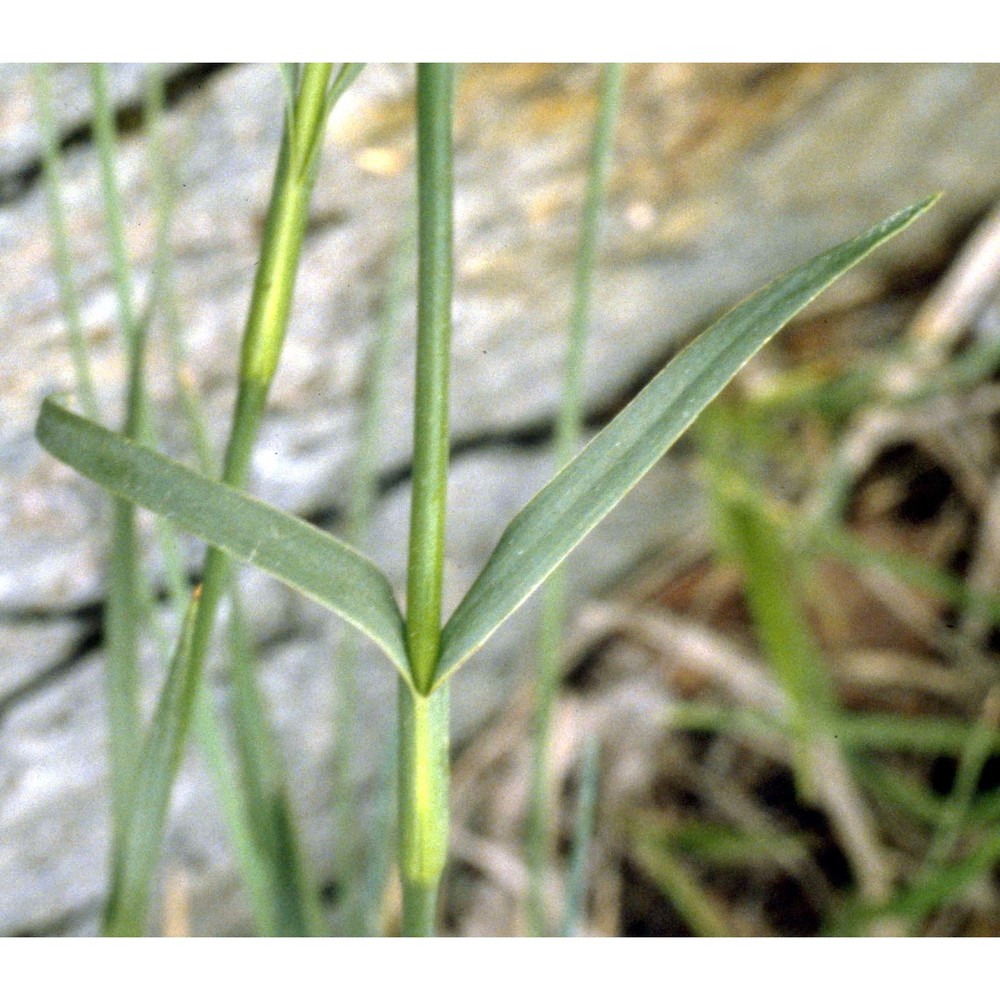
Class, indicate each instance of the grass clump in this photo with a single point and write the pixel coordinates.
(425, 651)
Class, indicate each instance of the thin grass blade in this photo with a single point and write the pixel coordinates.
(362, 896)
(266, 881)
(574, 910)
(290, 82)
(585, 491)
(779, 620)
(292, 903)
(138, 849)
(124, 602)
(311, 561)
(346, 75)
(863, 731)
(568, 434)
(703, 915)
(62, 258)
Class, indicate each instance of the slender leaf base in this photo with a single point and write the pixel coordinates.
(423, 804)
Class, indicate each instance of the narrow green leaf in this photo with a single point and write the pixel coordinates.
(574, 910)
(138, 849)
(62, 258)
(126, 581)
(862, 731)
(317, 564)
(947, 884)
(290, 83)
(346, 75)
(910, 570)
(586, 490)
(362, 897)
(568, 434)
(782, 628)
(697, 908)
(292, 901)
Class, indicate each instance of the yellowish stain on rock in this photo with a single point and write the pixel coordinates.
(382, 161)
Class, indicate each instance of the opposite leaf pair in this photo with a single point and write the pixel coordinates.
(539, 538)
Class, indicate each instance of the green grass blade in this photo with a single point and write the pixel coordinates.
(868, 731)
(244, 812)
(569, 428)
(346, 75)
(137, 852)
(702, 914)
(290, 81)
(62, 259)
(586, 490)
(900, 792)
(104, 134)
(914, 903)
(124, 601)
(311, 561)
(382, 833)
(292, 903)
(953, 821)
(782, 630)
(233, 801)
(424, 750)
(908, 569)
(362, 896)
(122, 620)
(583, 835)
(425, 568)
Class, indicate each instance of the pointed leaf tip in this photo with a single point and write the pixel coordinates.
(566, 510)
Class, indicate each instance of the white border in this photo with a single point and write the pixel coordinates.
(484, 969)
(502, 30)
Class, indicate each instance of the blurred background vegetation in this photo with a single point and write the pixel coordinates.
(778, 709)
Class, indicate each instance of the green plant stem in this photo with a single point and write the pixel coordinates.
(104, 133)
(569, 427)
(423, 721)
(266, 324)
(360, 903)
(423, 804)
(583, 835)
(430, 431)
(263, 338)
(60, 244)
(124, 604)
(953, 820)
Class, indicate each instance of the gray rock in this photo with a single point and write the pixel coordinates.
(724, 177)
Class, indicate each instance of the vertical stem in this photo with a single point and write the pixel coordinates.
(62, 258)
(124, 606)
(267, 321)
(263, 338)
(430, 431)
(360, 893)
(583, 835)
(423, 804)
(569, 426)
(423, 717)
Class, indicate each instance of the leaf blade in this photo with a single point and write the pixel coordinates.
(137, 849)
(564, 512)
(312, 561)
